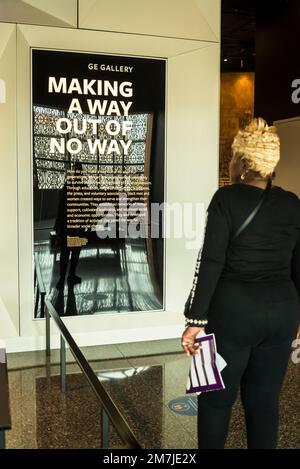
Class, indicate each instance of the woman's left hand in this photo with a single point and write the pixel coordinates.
(188, 339)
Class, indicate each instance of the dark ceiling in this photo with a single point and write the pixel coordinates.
(238, 35)
(239, 21)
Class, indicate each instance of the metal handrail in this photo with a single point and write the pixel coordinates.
(111, 409)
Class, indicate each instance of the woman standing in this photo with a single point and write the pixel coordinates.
(246, 291)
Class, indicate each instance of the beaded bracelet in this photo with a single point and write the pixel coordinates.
(195, 322)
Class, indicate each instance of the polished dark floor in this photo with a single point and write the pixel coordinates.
(142, 387)
(114, 279)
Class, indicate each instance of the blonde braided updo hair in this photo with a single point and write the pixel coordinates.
(257, 147)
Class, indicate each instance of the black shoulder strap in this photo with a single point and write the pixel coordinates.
(254, 212)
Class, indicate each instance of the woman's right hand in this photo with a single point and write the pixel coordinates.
(188, 340)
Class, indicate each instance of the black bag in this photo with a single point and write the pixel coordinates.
(254, 212)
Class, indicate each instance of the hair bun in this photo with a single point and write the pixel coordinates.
(260, 146)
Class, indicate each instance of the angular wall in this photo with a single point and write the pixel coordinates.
(9, 270)
(191, 48)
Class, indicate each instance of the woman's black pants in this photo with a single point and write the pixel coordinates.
(254, 325)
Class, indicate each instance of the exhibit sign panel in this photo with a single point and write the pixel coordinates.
(98, 152)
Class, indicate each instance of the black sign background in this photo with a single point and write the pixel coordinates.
(149, 81)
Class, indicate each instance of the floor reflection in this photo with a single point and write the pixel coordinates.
(142, 388)
(59, 417)
(112, 280)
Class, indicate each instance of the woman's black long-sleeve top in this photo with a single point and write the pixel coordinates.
(267, 251)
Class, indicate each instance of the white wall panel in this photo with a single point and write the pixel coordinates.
(192, 159)
(191, 19)
(211, 10)
(25, 207)
(44, 12)
(9, 282)
(288, 169)
(63, 10)
(107, 43)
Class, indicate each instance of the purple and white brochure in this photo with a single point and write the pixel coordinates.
(206, 367)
